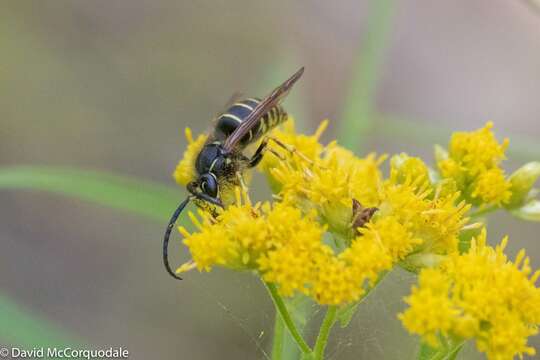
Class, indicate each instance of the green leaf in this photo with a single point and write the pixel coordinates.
(529, 212)
(145, 198)
(357, 117)
(21, 327)
(447, 351)
(300, 308)
(142, 197)
(346, 313)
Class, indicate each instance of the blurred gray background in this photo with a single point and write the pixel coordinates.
(111, 85)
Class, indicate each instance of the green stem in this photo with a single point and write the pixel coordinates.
(277, 347)
(281, 308)
(324, 332)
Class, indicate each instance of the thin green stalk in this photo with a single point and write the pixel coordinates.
(281, 308)
(357, 122)
(324, 332)
(277, 347)
(342, 314)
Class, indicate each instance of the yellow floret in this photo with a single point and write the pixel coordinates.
(479, 295)
(473, 163)
(185, 170)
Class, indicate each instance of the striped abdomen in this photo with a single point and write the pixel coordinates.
(233, 117)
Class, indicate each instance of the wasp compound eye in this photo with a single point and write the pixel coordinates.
(209, 184)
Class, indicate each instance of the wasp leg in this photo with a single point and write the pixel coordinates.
(291, 149)
(257, 157)
(242, 182)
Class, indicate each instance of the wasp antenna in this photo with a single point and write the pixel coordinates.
(174, 217)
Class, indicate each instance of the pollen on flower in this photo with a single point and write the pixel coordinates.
(392, 236)
(491, 187)
(405, 168)
(431, 311)
(185, 170)
(428, 213)
(479, 295)
(418, 215)
(325, 178)
(478, 150)
(473, 162)
(335, 283)
(306, 145)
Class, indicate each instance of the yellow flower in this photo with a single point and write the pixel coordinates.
(431, 311)
(293, 241)
(308, 146)
(479, 295)
(333, 176)
(473, 163)
(185, 170)
(335, 283)
(342, 279)
(478, 150)
(279, 241)
(432, 216)
(234, 239)
(491, 187)
(393, 236)
(415, 216)
(324, 178)
(406, 169)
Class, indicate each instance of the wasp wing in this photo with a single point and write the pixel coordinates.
(262, 108)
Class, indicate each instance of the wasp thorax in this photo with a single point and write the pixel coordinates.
(211, 159)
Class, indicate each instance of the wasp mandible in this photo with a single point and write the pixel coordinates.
(221, 160)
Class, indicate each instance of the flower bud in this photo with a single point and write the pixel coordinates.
(416, 262)
(440, 153)
(529, 212)
(405, 168)
(522, 181)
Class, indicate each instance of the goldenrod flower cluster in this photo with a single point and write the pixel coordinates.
(473, 162)
(285, 246)
(337, 223)
(310, 240)
(423, 215)
(479, 295)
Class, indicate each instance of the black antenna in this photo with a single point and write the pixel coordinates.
(174, 217)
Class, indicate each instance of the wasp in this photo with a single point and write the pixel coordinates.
(221, 161)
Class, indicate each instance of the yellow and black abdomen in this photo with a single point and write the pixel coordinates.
(235, 115)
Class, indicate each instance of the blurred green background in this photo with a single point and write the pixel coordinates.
(110, 86)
